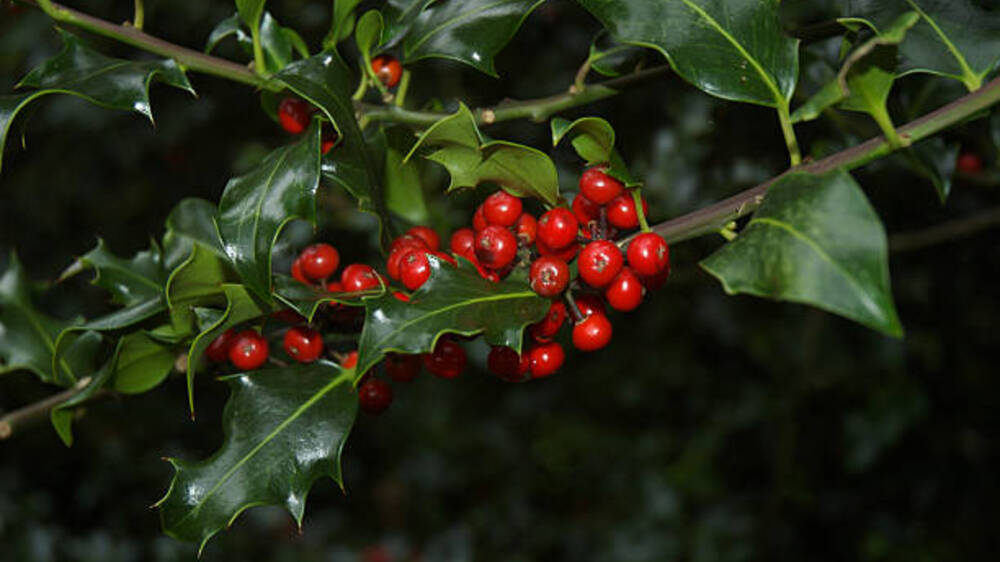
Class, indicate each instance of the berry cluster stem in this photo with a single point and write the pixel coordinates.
(639, 211)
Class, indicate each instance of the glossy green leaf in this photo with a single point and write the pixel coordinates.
(142, 365)
(404, 193)
(342, 23)
(610, 58)
(284, 429)
(80, 71)
(520, 170)
(733, 49)
(229, 27)
(198, 281)
(815, 240)
(592, 137)
(29, 336)
(81, 357)
(277, 44)
(191, 221)
(130, 281)
(453, 300)
(250, 11)
(255, 207)
(954, 38)
(306, 300)
(468, 31)
(240, 307)
(368, 33)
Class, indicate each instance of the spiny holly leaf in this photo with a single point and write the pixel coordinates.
(191, 221)
(231, 26)
(611, 58)
(453, 300)
(954, 38)
(285, 428)
(325, 81)
(241, 307)
(815, 240)
(77, 70)
(306, 300)
(255, 207)
(130, 281)
(733, 49)
(520, 170)
(593, 139)
(81, 357)
(469, 31)
(28, 336)
(278, 43)
(198, 281)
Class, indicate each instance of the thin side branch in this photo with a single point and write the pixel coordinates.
(32, 413)
(945, 232)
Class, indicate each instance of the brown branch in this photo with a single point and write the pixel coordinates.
(32, 413)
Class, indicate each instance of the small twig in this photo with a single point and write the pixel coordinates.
(945, 232)
(23, 417)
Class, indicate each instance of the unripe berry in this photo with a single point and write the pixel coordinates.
(319, 261)
(549, 276)
(592, 333)
(598, 186)
(502, 209)
(557, 228)
(303, 344)
(387, 69)
(599, 263)
(294, 115)
(248, 351)
(496, 247)
(648, 254)
(374, 395)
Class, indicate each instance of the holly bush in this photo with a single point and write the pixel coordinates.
(395, 119)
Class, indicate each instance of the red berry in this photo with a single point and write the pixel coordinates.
(319, 261)
(387, 69)
(654, 282)
(526, 229)
(598, 186)
(463, 243)
(294, 115)
(549, 276)
(297, 272)
(248, 351)
(486, 273)
(218, 350)
(335, 287)
(584, 209)
(374, 395)
(496, 247)
(565, 254)
(969, 163)
(558, 228)
(505, 363)
(359, 277)
(502, 209)
(408, 241)
(545, 359)
(588, 305)
(599, 263)
(401, 296)
(329, 139)
(479, 219)
(625, 291)
(445, 257)
(621, 211)
(402, 367)
(350, 360)
(414, 269)
(547, 327)
(426, 234)
(592, 333)
(447, 360)
(303, 344)
(648, 254)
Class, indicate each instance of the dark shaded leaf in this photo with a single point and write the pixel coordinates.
(342, 23)
(142, 363)
(404, 192)
(231, 26)
(81, 357)
(130, 281)
(933, 159)
(191, 221)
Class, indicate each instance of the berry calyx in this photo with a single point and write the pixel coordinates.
(648, 254)
(496, 247)
(625, 291)
(402, 367)
(249, 350)
(545, 359)
(502, 209)
(319, 261)
(447, 360)
(374, 395)
(549, 276)
(507, 364)
(599, 263)
(557, 228)
(598, 186)
(359, 277)
(218, 350)
(303, 344)
(547, 327)
(294, 115)
(414, 269)
(463, 243)
(621, 211)
(592, 333)
(387, 69)
(427, 234)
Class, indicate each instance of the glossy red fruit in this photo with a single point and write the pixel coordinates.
(621, 211)
(387, 69)
(496, 247)
(598, 186)
(479, 219)
(625, 291)
(502, 209)
(218, 350)
(549, 276)
(297, 272)
(584, 209)
(969, 163)
(350, 360)
(545, 359)
(402, 367)
(335, 287)
(249, 350)
(329, 139)
(592, 333)
(401, 296)
(414, 269)
(447, 360)
(648, 254)
(526, 229)
(599, 263)
(359, 277)
(319, 261)
(589, 304)
(408, 241)
(507, 364)
(548, 327)
(654, 282)
(558, 228)
(426, 234)
(374, 395)
(294, 115)
(303, 344)
(463, 243)
(565, 254)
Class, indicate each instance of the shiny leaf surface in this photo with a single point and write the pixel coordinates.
(130, 281)
(191, 221)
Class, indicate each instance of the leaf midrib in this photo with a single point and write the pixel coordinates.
(967, 72)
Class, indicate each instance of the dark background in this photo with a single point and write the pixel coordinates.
(713, 428)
